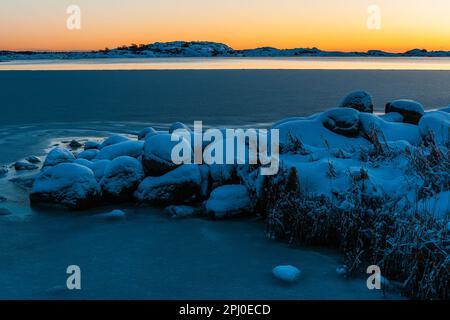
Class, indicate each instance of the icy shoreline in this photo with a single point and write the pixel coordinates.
(332, 153)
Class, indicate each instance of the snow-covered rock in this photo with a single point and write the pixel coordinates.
(113, 140)
(182, 185)
(58, 155)
(436, 124)
(228, 200)
(179, 212)
(99, 167)
(391, 131)
(392, 117)
(121, 177)
(91, 145)
(286, 273)
(33, 159)
(411, 110)
(157, 156)
(359, 100)
(74, 144)
(343, 121)
(126, 148)
(312, 133)
(178, 126)
(149, 131)
(88, 154)
(24, 165)
(66, 184)
(84, 162)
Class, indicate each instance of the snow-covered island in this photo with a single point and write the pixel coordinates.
(204, 49)
(375, 186)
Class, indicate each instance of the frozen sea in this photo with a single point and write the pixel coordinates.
(149, 255)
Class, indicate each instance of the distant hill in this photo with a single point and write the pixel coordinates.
(205, 49)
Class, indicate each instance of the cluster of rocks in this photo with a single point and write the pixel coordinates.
(140, 169)
(121, 169)
(349, 118)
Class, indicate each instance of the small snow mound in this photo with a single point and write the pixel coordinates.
(58, 155)
(342, 270)
(113, 215)
(228, 200)
(411, 110)
(358, 100)
(286, 273)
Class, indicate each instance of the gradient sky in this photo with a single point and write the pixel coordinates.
(327, 24)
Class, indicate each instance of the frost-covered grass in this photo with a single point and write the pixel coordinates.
(408, 240)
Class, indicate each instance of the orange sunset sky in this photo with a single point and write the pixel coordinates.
(326, 24)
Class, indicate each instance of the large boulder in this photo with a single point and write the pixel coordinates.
(127, 148)
(157, 156)
(342, 121)
(113, 140)
(229, 200)
(121, 177)
(67, 184)
(436, 125)
(358, 100)
(411, 110)
(182, 185)
(58, 155)
(91, 145)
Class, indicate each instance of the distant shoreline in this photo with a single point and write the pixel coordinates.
(204, 49)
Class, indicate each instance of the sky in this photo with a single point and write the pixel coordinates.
(326, 24)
